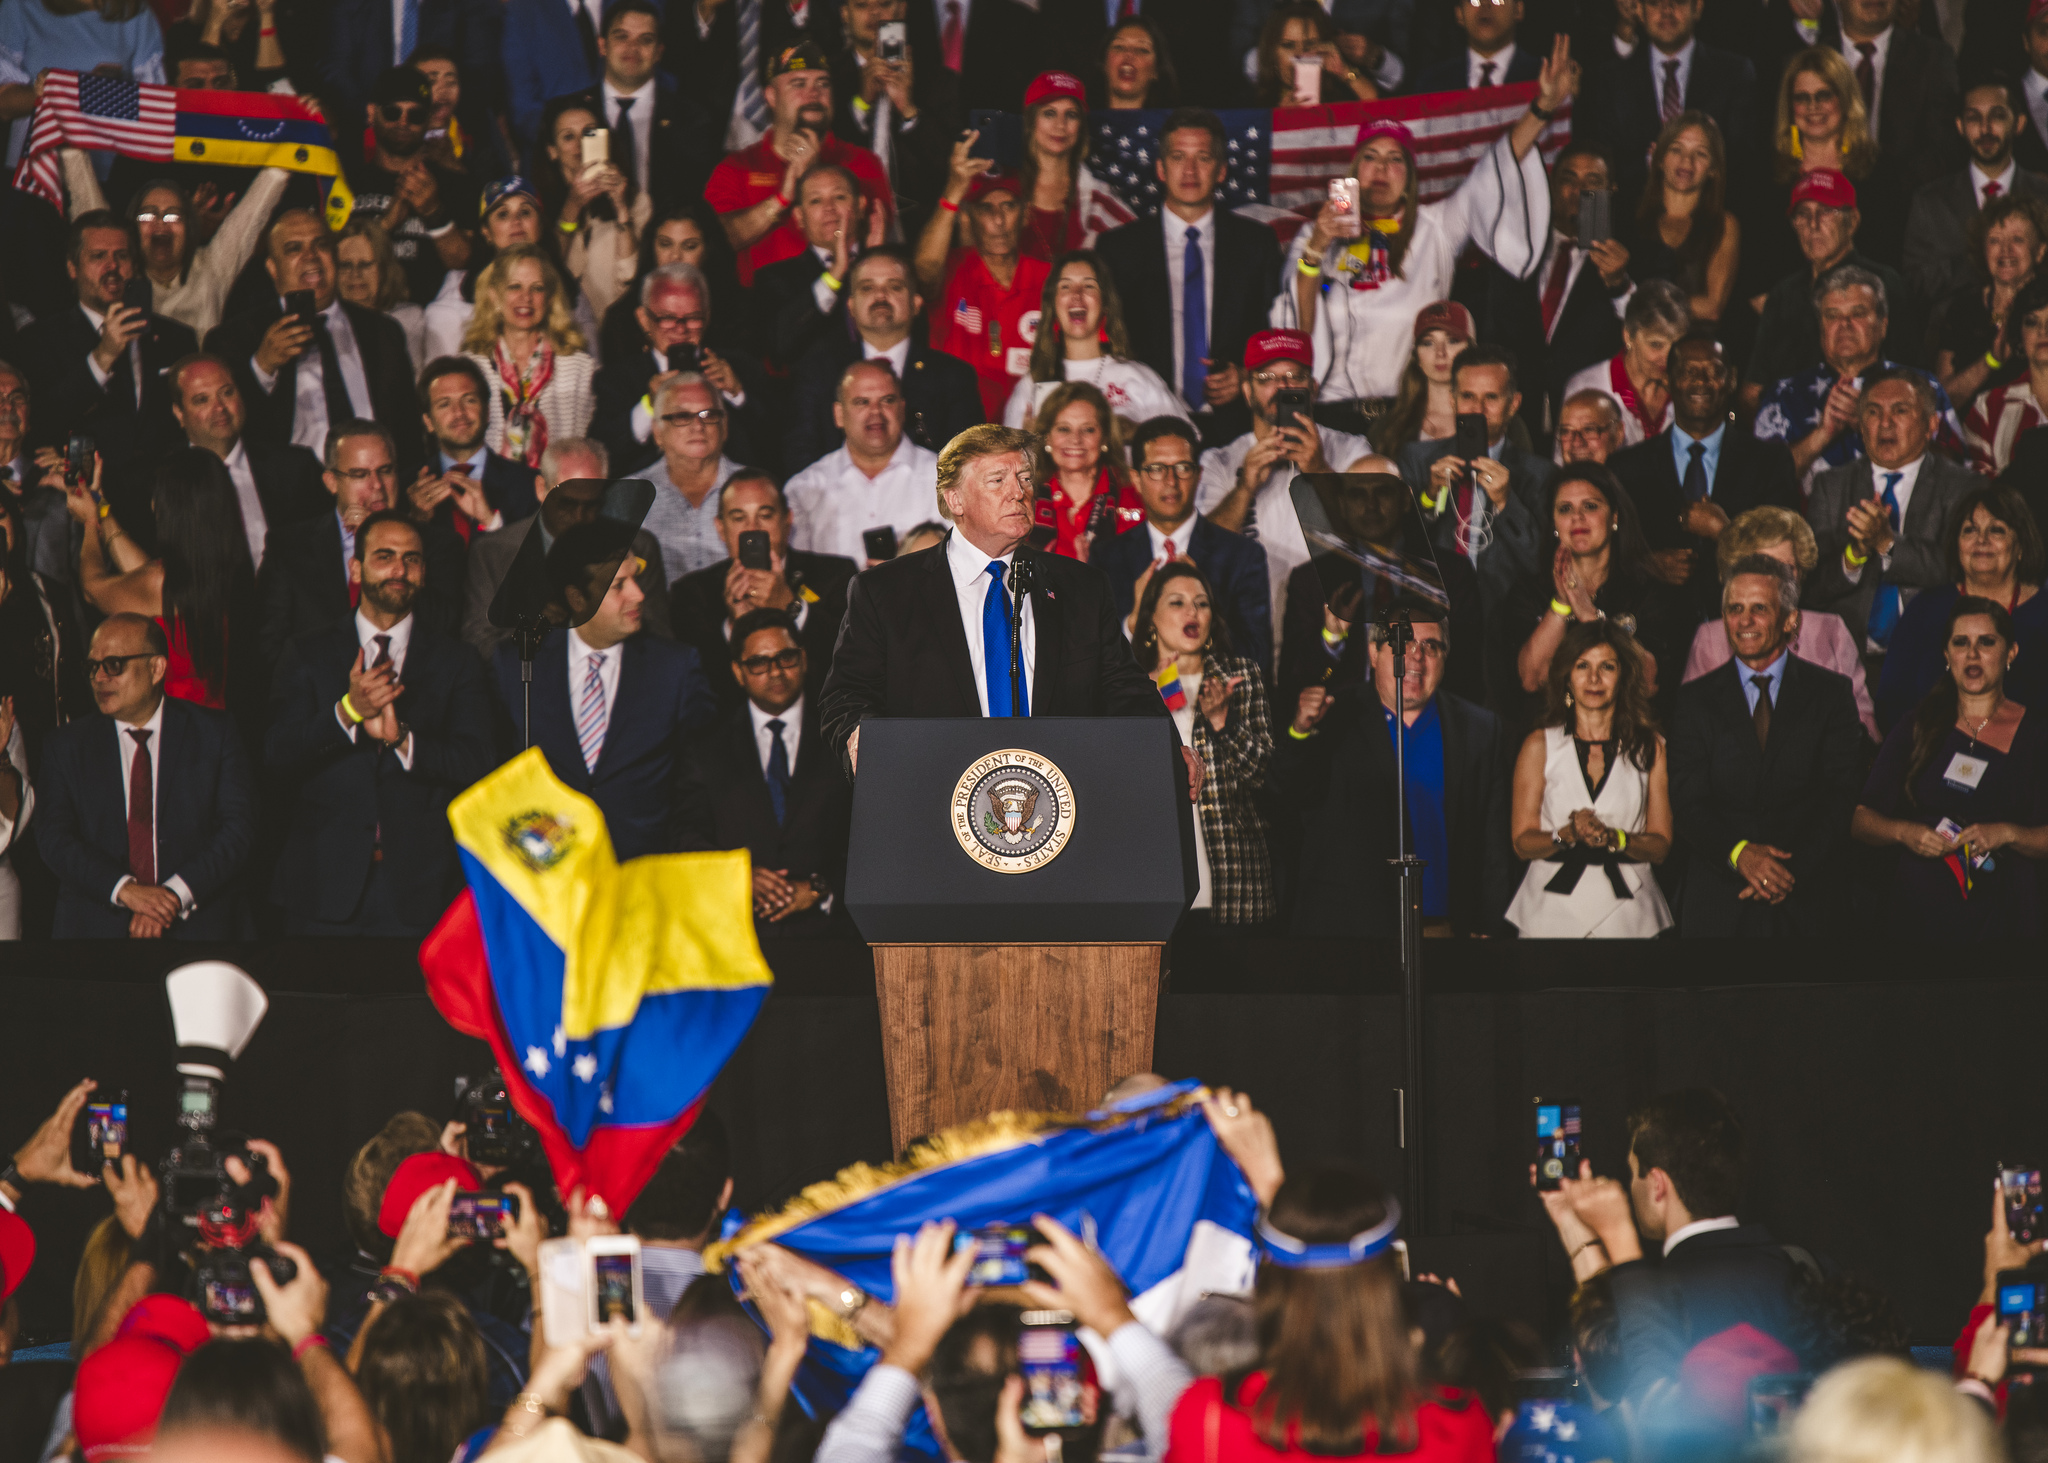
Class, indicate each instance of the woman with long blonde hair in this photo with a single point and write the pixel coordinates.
(1821, 126)
(525, 341)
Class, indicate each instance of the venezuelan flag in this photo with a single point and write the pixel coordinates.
(1170, 690)
(257, 129)
(612, 994)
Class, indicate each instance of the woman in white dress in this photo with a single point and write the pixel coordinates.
(1081, 337)
(1592, 801)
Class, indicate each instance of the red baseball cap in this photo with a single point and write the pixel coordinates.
(993, 182)
(1445, 315)
(17, 1252)
(2037, 9)
(1279, 345)
(1385, 127)
(1827, 188)
(1049, 84)
(413, 1178)
(120, 1389)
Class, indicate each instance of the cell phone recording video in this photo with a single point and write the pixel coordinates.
(299, 303)
(79, 452)
(999, 1254)
(615, 1288)
(754, 552)
(892, 41)
(1290, 402)
(482, 1216)
(1344, 202)
(1596, 221)
(100, 1136)
(1055, 1390)
(597, 147)
(2020, 1305)
(1471, 436)
(1557, 1143)
(2021, 1187)
(878, 544)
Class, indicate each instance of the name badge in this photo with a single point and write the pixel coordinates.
(1964, 773)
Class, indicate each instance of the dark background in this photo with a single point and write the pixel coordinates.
(1875, 1108)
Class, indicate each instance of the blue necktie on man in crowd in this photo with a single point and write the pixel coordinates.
(1194, 318)
(1884, 609)
(995, 648)
(778, 772)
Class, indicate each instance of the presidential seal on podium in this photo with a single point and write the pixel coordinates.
(1013, 811)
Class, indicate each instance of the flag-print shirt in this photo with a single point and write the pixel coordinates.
(990, 327)
(1995, 422)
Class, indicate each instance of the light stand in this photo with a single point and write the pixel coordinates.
(1399, 631)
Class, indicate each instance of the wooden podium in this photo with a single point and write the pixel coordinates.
(1017, 879)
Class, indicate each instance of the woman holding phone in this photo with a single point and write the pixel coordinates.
(1961, 787)
(595, 207)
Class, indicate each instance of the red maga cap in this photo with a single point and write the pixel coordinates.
(1445, 315)
(414, 1177)
(120, 1390)
(1279, 345)
(993, 182)
(1385, 127)
(1827, 188)
(1049, 84)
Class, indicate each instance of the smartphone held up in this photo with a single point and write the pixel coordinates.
(586, 1284)
(1557, 1143)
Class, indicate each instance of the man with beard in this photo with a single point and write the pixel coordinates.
(424, 206)
(753, 191)
(941, 397)
(376, 724)
(275, 483)
(1938, 258)
(464, 486)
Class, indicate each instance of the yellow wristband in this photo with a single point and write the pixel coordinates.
(1856, 560)
(1562, 610)
(1735, 853)
(567, 225)
(1297, 734)
(348, 707)
(1620, 841)
(1307, 268)
(1333, 641)
(1993, 362)
(832, 281)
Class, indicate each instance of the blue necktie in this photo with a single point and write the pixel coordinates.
(1194, 316)
(778, 773)
(995, 648)
(1884, 610)
(408, 30)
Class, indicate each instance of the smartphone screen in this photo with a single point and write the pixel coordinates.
(754, 549)
(1471, 436)
(1557, 1143)
(2019, 1304)
(227, 1303)
(597, 147)
(879, 544)
(106, 1130)
(481, 1215)
(1308, 81)
(2022, 1188)
(300, 303)
(1594, 218)
(1773, 1398)
(612, 1288)
(1050, 1358)
(999, 1254)
(891, 40)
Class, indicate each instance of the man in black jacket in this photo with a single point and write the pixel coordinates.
(276, 484)
(1490, 56)
(376, 723)
(1669, 71)
(796, 300)
(906, 112)
(1913, 120)
(461, 474)
(1764, 757)
(1239, 262)
(703, 48)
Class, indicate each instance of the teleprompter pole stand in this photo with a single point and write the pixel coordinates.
(1400, 635)
(530, 631)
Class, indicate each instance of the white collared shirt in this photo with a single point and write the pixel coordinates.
(255, 526)
(1909, 477)
(155, 727)
(401, 641)
(897, 355)
(642, 118)
(1978, 178)
(2034, 86)
(792, 719)
(1499, 61)
(1179, 538)
(1699, 1226)
(309, 384)
(1660, 59)
(580, 653)
(1176, 230)
(1883, 42)
(832, 502)
(969, 568)
(99, 323)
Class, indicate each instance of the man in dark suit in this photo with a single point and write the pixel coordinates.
(907, 110)
(376, 723)
(549, 51)
(1334, 771)
(1913, 118)
(809, 589)
(1764, 755)
(276, 484)
(660, 135)
(1937, 255)
(703, 40)
(993, 47)
(928, 634)
(612, 707)
(147, 812)
(764, 779)
(573, 471)
(1490, 58)
(98, 365)
(1165, 451)
(1669, 71)
(300, 379)
(1881, 521)
(1228, 264)
(464, 487)
(795, 300)
(1725, 471)
(359, 46)
(941, 395)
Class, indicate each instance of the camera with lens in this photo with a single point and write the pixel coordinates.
(495, 1133)
(223, 1289)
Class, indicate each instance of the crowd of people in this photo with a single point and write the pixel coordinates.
(1741, 584)
(1689, 1335)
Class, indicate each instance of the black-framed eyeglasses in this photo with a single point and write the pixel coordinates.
(707, 416)
(1157, 471)
(782, 660)
(402, 112)
(113, 666)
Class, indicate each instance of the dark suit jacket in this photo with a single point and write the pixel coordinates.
(341, 792)
(387, 369)
(508, 487)
(358, 49)
(752, 433)
(68, 399)
(685, 141)
(1749, 474)
(288, 483)
(1520, 527)
(1008, 42)
(1247, 277)
(303, 584)
(1625, 112)
(1707, 1284)
(1510, 313)
(490, 558)
(1936, 258)
(1796, 794)
(941, 396)
(1306, 659)
(708, 65)
(1234, 565)
(903, 648)
(1917, 140)
(698, 603)
(787, 321)
(1918, 559)
(206, 815)
(723, 803)
(662, 700)
(542, 58)
(921, 150)
(1339, 785)
(1450, 73)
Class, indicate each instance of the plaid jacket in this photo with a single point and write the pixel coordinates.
(1234, 765)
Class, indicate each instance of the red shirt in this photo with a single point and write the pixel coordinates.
(1069, 523)
(1210, 1427)
(743, 179)
(1051, 232)
(987, 326)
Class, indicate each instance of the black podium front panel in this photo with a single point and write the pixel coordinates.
(1095, 820)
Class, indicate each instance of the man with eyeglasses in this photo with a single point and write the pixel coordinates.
(425, 208)
(674, 314)
(1164, 452)
(612, 706)
(147, 812)
(276, 483)
(764, 780)
(375, 724)
(808, 589)
(1589, 427)
(879, 479)
(690, 433)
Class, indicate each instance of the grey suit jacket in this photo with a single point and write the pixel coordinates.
(491, 555)
(1918, 560)
(1937, 259)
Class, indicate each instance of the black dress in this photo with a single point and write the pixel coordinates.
(1655, 613)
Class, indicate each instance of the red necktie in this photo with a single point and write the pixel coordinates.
(951, 37)
(1486, 73)
(1127, 11)
(1553, 288)
(1673, 103)
(141, 813)
(1866, 76)
(1991, 191)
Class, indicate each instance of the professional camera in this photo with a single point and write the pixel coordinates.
(495, 1133)
(215, 1008)
(222, 1289)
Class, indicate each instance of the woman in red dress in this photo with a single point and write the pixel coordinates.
(1084, 489)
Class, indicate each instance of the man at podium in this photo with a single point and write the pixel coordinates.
(929, 634)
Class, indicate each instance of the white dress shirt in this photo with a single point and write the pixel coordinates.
(1699, 1226)
(255, 526)
(309, 407)
(92, 364)
(1978, 178)
(969, 567)
(641, 118)
(2034, 86)
(897, 355)
(1179, 538)
(580, 652)
(401, 640)
(1660, 59)
(1176, 230)
(155, 727)
(832, 502)
(1499, 61)
(792, 719)
(1883, 41)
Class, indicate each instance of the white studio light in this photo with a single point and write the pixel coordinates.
(215, 1009)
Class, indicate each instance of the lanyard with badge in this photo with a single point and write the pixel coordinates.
(1963, 774)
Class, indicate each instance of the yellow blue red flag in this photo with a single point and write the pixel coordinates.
(611, 993)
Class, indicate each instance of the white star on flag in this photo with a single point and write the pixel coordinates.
(536, 1061)
(604, 1100)
(585, 1067)
(561, 1042)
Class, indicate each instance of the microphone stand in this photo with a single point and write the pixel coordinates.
(530, 631)
(1400, 634)
(1022, 573)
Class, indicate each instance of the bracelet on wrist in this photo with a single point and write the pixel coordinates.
(1536, 111)
(402, 1276)
(306, 1345)
(782, 202)
(1595, 1240)
(1562, 610)
(832, 281)
(1307, 268)
(949, 205)
(348, 709)
(1993, 362)
(568, 225)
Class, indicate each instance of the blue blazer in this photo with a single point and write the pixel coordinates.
(340, 792)
(206, 816)
(663, 701)
(1234, 566)
(542, 58)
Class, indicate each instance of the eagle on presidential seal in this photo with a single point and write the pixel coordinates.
(1011, 803)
